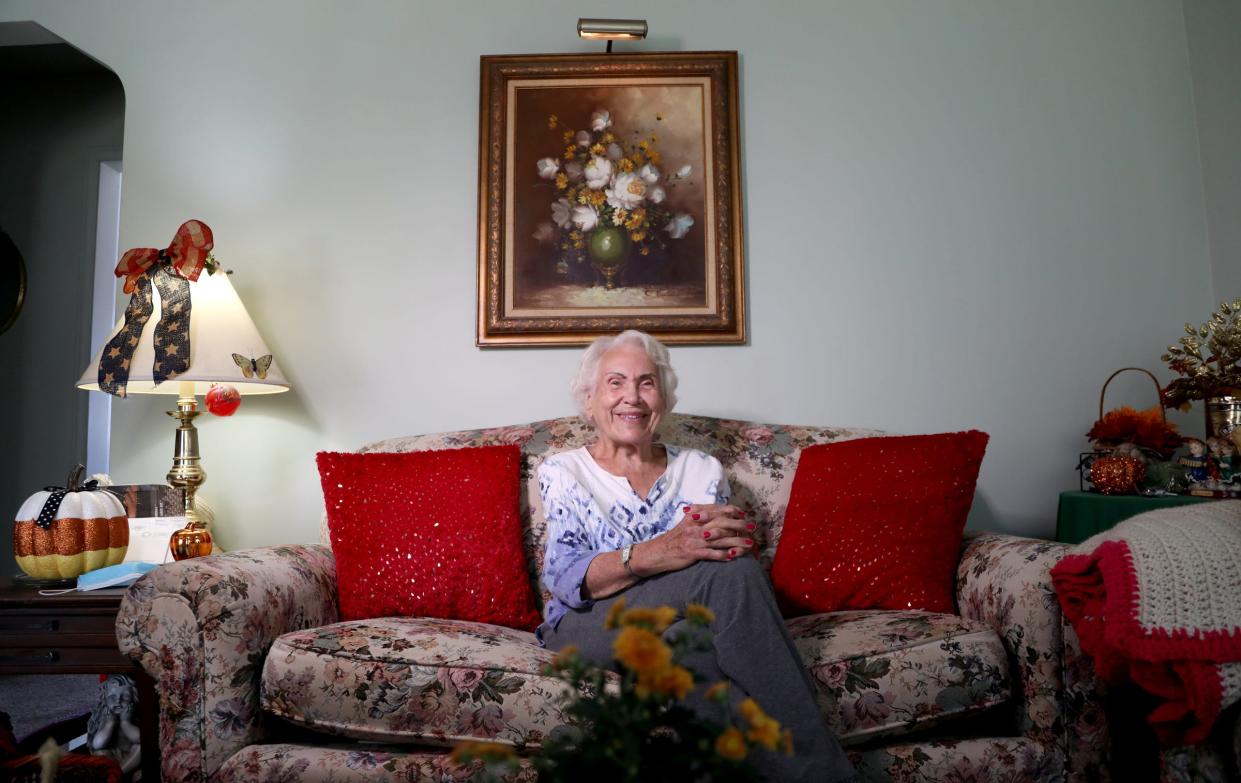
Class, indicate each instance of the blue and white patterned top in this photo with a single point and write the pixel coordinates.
(590, 511)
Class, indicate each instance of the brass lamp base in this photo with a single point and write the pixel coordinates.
(187, 475)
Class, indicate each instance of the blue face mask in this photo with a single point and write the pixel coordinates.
(119, 575)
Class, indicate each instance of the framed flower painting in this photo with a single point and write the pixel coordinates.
(609, 198)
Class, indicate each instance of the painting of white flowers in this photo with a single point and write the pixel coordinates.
(609, 198)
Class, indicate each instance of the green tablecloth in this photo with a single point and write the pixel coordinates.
(1082, 514)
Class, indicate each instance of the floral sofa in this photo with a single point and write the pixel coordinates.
(259, 681)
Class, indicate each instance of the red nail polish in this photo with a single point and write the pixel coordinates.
(749, 542)
(706, 534)
(749, 526)
(685, 508)
(732, 553)
(740, 513)
(695, 516)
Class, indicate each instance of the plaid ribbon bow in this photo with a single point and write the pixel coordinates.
(171, 270)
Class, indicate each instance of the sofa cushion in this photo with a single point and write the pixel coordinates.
(429, 534)
(885, 673)
(346, 763)
(420, 680)
(876, 523)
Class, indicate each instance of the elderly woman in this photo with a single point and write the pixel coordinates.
(629, 517)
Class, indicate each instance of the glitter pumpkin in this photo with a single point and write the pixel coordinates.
(90, 530)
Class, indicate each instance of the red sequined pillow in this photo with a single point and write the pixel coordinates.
(429, 534)
(876, 523)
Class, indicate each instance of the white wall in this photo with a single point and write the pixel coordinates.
(1214, 32)
(959, 214)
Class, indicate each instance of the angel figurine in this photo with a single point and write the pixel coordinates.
(111, 730)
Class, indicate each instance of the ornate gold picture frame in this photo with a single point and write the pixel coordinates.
(609, 198)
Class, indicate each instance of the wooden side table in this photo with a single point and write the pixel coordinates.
(74, 633)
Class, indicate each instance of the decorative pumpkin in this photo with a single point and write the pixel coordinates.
(61, 533)
(1117, 475)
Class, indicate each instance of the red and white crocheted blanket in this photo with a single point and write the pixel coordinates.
(1157, 600)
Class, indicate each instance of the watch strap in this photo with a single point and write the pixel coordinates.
(626, 554)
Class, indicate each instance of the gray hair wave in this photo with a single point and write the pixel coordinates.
(583, 384)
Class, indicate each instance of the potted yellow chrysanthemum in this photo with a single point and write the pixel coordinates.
(638, 728)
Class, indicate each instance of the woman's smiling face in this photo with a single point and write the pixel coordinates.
(626, 403)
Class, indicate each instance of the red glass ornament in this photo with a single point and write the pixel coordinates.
(223, 400)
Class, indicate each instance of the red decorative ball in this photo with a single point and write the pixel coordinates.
(223, 400)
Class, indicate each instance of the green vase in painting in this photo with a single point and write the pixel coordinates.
(609, 252)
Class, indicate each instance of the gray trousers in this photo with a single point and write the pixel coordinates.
(752, 651)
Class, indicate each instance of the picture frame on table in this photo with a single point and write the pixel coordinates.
(610, 198)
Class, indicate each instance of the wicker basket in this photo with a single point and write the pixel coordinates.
(1114, 474)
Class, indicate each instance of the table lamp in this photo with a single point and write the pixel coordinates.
(224, 348)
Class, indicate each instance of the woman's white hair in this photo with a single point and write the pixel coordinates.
(583, 384)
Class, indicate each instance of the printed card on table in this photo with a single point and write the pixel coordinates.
(155, 512)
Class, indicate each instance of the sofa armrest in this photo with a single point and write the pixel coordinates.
(201, 628)
(1005, 582)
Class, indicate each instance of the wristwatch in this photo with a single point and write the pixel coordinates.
(626, 553)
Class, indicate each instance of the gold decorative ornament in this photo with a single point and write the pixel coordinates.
(1117, 475)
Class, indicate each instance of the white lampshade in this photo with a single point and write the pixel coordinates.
(219, 328)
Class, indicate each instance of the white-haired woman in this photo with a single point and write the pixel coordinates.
(651, 523)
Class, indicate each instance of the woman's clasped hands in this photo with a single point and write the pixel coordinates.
(706, 532)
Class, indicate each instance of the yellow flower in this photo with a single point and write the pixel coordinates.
(583, 197)
(730, 744)
(608, 138)
(565, 656)
(656, 620)
(579, 244)
(644, 145)
(597, 197)
(611, 622)
(750, 710)
(551, 122)
(637, 158)
(625, 164)
(786, 741)
(569, 152)
(598, 149)
(641, 651)
(717, 692)
(575, 235)
(618, 217)
(699, 614)
(765, 731)
(655, 157)
(486, 751)
(567, 136)
(562, 181)
(668, 681)
(654, 139)
(637, 236)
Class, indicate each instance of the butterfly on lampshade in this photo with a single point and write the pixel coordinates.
(252, 367)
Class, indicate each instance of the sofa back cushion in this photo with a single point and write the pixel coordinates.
(760, 459)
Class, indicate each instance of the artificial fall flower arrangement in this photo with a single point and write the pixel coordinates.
(1147, 429)
(604, 182)
(1213, 374)
(638, 729)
